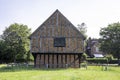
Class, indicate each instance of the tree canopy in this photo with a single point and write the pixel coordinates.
(110, 39)
(15, 37)
(82, 28)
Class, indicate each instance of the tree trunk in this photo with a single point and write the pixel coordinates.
(14, 59)
(28, 57)
(119, 59)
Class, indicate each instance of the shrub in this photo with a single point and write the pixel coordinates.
(114, 61)
(84, 57)
(109, 57)
(101, 61)
(97, 60)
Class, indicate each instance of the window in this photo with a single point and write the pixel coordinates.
(97, 49)
(59, 42)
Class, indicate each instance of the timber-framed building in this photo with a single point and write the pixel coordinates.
(57, 43)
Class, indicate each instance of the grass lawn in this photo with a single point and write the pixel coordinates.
(30, 73)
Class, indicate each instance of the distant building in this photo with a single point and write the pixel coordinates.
(93, 48)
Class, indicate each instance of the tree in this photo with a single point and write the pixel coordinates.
(110, 39)
(4, 57)
(16, 39)
(2, 49)
(82, 28)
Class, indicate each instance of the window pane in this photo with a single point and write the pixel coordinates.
(59, 42)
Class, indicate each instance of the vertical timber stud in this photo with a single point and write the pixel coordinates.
(74, 60)
(65, 60)
(35, 60)
(34, 55)
(62, 60)
(52, 60)
(44, 60)
(48, 61)
(39, 60)
(70, 61)
(60, 63)
(57, 60)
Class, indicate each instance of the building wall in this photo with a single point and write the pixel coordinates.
(95, 48)
(45, 45)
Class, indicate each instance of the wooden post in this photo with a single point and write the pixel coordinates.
(68, 60)
(48, 60)
(40, 61)
(57, 60)
(62, 60)
(34, 55)
(79, 59)
(37, 60)
(44, 59)
(66, 65)
(52, 60)
(74, 60)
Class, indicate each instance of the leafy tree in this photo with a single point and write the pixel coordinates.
(2, 47)
(4, 57)
(82, 28)
(16, 39)
(110, 39)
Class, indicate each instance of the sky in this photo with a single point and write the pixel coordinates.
(96, 14)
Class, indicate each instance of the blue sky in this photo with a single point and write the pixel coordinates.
(95, 13)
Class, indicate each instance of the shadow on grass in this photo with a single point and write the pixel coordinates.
(29, 68)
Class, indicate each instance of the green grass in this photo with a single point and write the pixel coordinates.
(30, 73)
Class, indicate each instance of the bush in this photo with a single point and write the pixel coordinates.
(109, 57)
(97, 60)
(114, 61)
(84, 64)
(84, 57)
(101, 61)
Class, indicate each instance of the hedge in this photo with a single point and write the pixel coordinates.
(101, 61)
(113, 62)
